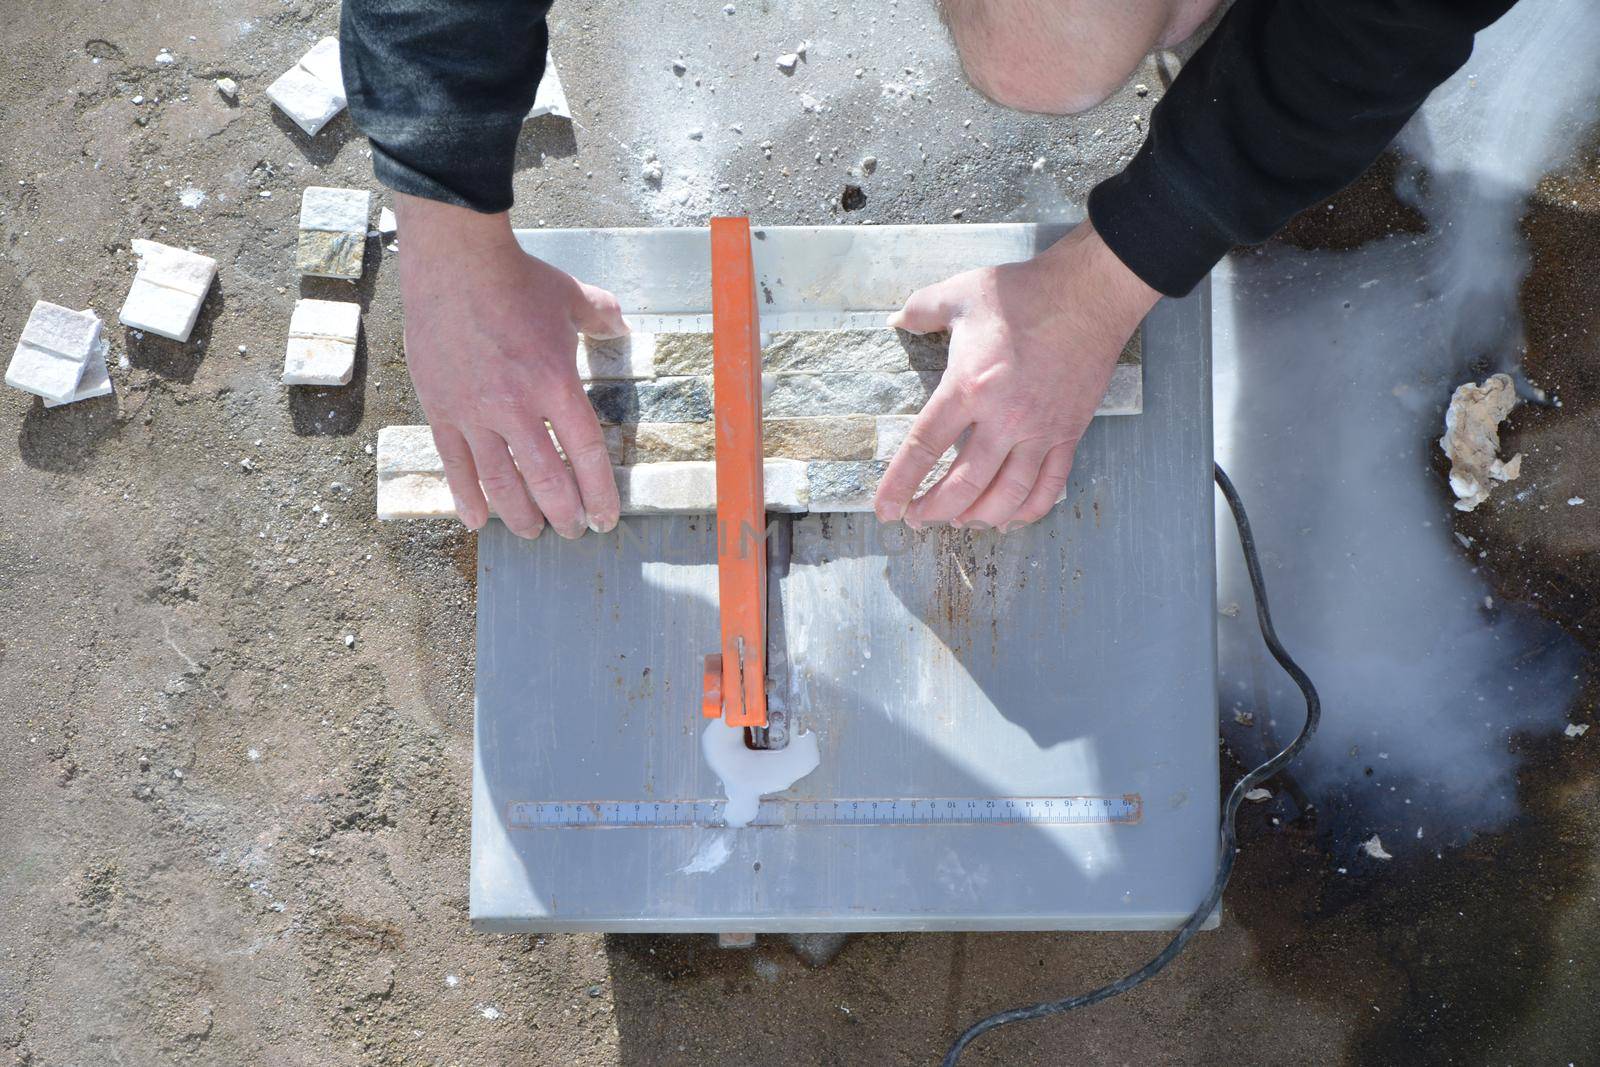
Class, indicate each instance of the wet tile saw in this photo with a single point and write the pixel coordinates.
(1011, 732)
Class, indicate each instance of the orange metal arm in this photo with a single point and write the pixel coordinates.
(741, 497)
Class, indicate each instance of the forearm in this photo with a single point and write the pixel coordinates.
(1285, 104)
(441, 87)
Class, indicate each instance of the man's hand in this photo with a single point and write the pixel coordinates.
(491, 338)
(1032, 347)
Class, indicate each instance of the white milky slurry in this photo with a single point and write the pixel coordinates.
(712, 854)
(748, 775)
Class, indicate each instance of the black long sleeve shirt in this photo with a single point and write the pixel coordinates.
(1286, 103)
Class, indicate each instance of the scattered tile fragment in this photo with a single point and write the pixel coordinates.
(1373, 846)
(322, 343)
(787, 62)
(387, 223)
(550, 98)
(96, 380)
(333, 232)
(55, 350)
(1577, 729)
(312, 91)
(411, 482)
(168, 289)
(1258, 794)
(228, 88)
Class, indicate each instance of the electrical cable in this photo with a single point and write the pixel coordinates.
(1229, 810)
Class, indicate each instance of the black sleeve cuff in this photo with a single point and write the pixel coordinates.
(1159, 233)
(469, 166)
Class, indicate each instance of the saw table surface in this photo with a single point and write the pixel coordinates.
(1071, 663)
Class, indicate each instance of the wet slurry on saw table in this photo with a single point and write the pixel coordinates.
(231, 837)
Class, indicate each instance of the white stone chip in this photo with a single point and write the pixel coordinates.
(1577, 729)
(322, 343)
(168, 289)
(312, 91)
(228, 88)
(1373, 846)
(551, 98)
(1258, 795)
(55, 349)
(387, 223)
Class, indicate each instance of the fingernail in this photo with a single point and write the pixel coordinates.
(594, 525)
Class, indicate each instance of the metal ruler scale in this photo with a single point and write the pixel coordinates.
(903, 811)
(772, 322)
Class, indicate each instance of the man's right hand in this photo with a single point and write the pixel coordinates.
(491, 336)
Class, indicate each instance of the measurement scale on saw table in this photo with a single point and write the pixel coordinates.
(773, 322)
(904, 811)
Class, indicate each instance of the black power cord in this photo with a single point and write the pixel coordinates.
(1229, 810)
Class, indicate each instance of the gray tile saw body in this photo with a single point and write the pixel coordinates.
(1074, 658)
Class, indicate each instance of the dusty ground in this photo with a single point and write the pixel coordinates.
(229, 838)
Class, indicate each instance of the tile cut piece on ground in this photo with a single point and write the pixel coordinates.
(96, 380)
(312, 91)
(168, 289)
(55, 349)
(550, 98)
(333, 232)
(322, 342)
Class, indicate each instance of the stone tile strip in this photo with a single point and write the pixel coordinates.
(411, 483)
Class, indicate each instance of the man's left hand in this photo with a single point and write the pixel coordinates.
(1032, 348)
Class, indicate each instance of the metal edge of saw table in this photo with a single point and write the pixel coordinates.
(1076, 657)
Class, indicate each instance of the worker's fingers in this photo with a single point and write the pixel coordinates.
(462, 476)
(596, 313)
(548, 479)
(584, 443)
(1012, 484)
(974, 468)
(503, 484)
(942, 421)
(1047, 487)
(928, 310)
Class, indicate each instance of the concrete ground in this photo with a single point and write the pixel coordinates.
(231, 837)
